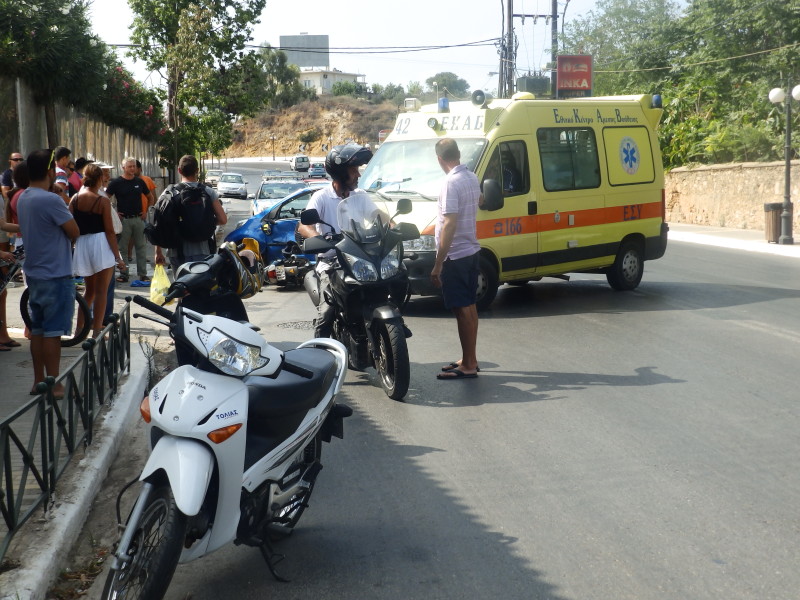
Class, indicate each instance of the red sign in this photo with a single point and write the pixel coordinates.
(574, 73)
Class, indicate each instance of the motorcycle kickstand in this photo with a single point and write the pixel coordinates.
(272, 559)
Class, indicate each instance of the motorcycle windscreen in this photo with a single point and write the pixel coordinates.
(360, 218)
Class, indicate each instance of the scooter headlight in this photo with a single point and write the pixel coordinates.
(390, 265)
(231, 356)
(363, 270)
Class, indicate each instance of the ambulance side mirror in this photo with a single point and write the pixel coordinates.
(492, 195)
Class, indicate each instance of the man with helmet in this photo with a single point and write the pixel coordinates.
(342, 164)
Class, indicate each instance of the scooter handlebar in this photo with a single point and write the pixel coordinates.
(152, 306)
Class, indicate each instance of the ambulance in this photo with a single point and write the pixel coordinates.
(572, 185)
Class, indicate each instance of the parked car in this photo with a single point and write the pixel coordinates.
(232, 185)
(275, 227)
(278, 174)
(212, 177)
(317, 170)
(299, 163)
(274, 189)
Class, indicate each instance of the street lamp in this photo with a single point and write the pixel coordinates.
(272, 137)
(776, 96)
(436, 87)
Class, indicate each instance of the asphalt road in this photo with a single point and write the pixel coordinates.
(634, 445)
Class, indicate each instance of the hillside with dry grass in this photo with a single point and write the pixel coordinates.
(338, 119)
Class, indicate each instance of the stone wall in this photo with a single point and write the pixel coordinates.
(730, 195)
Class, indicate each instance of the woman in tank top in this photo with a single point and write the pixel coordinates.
(96, 250)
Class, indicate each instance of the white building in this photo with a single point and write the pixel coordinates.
(323, 80)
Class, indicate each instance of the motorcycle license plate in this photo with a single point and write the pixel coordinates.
(280, 272)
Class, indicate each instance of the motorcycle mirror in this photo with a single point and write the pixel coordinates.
(403, 206)
(310, 216)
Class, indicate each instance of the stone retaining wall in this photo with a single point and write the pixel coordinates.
(729, 195)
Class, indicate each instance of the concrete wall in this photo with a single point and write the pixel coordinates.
(23, 124)
(730, 195)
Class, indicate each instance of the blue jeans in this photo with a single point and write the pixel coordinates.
(52, 306)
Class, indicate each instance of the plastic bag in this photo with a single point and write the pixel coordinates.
(159, 286)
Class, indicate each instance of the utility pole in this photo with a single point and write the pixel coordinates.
(508, 51)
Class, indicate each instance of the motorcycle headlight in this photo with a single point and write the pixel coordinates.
(390, 264)
(422, 243)
(231, 356)
(363, 270)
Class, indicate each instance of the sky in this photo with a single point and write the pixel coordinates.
(380, 24)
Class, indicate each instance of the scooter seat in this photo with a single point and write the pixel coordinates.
(289, 394)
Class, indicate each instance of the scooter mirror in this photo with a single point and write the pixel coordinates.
(310, 216)
(403, 206)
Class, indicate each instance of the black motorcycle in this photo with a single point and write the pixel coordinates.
(367, 283)
(289, 270)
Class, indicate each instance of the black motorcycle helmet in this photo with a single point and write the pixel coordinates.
(342, 157)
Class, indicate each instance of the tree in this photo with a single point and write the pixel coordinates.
(449, 84)
(282, 80)
(190, 41)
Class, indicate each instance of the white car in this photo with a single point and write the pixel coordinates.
(232, 185)
(212, 177)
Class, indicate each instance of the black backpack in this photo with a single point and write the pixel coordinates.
(163, 230)
(186, 213)
(197, 219)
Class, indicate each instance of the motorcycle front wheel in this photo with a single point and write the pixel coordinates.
(393, 368)
(153, 553)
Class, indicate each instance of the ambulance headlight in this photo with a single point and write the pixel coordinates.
(424, 243)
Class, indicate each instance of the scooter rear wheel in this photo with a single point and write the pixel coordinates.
(154, 551)
(393, 367)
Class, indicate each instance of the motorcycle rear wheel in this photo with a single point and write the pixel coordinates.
(154, 552)
(393, 367)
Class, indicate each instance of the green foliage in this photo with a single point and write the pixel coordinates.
(348, 88)
(310, 136)
(450, 84)
(714, 65)
(48, 45)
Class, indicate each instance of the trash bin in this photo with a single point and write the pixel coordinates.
(772, 227)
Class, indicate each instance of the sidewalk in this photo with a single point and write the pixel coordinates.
(50, 542)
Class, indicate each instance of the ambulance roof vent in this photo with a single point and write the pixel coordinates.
(523, 96)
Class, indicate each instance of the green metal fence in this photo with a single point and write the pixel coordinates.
(38, 440)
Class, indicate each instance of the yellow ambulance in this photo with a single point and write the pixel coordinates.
(571, 185)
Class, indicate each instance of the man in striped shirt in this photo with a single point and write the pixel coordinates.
(456, 266)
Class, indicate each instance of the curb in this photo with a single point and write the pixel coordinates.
(50, 543)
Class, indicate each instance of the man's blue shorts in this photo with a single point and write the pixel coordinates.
(460, 281)
(52, 305)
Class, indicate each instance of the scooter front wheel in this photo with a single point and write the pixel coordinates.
(153, 553)
(393, 367)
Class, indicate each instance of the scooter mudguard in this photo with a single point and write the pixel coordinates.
(386, 312)
(188, 465)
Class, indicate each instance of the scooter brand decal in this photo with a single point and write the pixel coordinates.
(228, 415)
(200, 385)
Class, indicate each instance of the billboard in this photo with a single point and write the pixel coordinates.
(306, 50)
(574, 76)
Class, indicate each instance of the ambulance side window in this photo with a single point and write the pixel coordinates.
(569, 158)
(509, 167)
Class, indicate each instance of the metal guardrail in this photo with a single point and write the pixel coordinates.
(38, 440)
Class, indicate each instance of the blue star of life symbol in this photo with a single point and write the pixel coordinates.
(629, 153)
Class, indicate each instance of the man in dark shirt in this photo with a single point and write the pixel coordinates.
(127, 190)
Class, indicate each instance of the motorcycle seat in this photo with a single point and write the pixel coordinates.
(290, 394)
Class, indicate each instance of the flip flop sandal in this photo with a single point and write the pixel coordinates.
(455, 374)
(11, 344)
(453, 365)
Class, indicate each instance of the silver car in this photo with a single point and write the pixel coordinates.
(232, 185)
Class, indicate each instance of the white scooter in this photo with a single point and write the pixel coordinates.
(235, 448)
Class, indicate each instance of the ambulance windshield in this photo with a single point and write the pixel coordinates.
(411, 165)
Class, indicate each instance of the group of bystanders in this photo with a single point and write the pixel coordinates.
(73, 220)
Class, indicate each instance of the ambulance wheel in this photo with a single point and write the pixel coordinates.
(628, 268)
(487, 283)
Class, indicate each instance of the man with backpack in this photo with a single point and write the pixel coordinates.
(185, 218)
